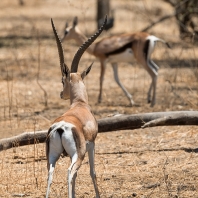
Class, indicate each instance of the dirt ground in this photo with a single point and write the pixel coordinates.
(153, 162)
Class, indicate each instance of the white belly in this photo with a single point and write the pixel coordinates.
(126, 56)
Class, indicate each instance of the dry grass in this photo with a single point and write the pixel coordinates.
(155, 162)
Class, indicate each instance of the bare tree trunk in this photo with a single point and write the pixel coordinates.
(120, 122)
(102, 10)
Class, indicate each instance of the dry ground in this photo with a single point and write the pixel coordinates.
(154, 162)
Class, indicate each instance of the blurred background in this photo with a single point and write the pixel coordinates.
(143, 163)
(29, 64)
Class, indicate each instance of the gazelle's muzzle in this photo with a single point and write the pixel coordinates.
(64, 96)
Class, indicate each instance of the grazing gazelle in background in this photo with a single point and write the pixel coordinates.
(75, 131)
(121, 48)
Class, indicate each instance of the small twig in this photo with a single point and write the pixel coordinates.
(173, 89)
(37, 79)
(158, 21)
(166, 177)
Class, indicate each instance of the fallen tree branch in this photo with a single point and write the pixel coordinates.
(121, 122)
(23, 139)
(135, 121)
(175, 119)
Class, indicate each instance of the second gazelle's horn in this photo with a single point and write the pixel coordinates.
(84, 46)
(60, 49)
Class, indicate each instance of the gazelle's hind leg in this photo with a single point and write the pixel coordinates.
(153, 85)
(152, 69)
(154, 65)
(91, 154)
(116, 77)
(72, 174)
(71, 146)
(54, 148)
(149, 93)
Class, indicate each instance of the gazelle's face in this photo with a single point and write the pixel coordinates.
(71, 31)
(65, 94)
(73, 81)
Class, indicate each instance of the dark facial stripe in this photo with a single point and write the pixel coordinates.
(120, 50)
(146, 48)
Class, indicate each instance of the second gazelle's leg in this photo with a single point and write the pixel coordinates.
(153, 83)
(153, 73)
(91, 154)
(152, 69)
(116, 77)
(102, 72)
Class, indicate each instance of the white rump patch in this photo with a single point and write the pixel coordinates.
(67, 138)
(152, 40)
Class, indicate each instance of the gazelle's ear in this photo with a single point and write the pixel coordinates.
(86, 71)
(75, 21)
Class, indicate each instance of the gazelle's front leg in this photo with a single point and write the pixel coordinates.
(102, 72)
(116, 77)
(91, 154)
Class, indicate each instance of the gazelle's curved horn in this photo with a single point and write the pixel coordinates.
(60, 49)
(84, 46)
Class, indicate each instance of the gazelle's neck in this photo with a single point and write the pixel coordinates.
(78, 91)
(80, 38)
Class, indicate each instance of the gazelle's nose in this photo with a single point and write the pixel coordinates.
(66, 32)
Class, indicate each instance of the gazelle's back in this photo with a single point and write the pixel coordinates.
(86, 124)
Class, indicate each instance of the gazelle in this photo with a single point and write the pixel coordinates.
(121, 48)
(75, 131)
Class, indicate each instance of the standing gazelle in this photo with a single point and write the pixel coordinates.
(121, 48)
(75, 131)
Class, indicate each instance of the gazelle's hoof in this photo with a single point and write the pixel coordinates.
(132, 103)
(99, 99)
(149, 99)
